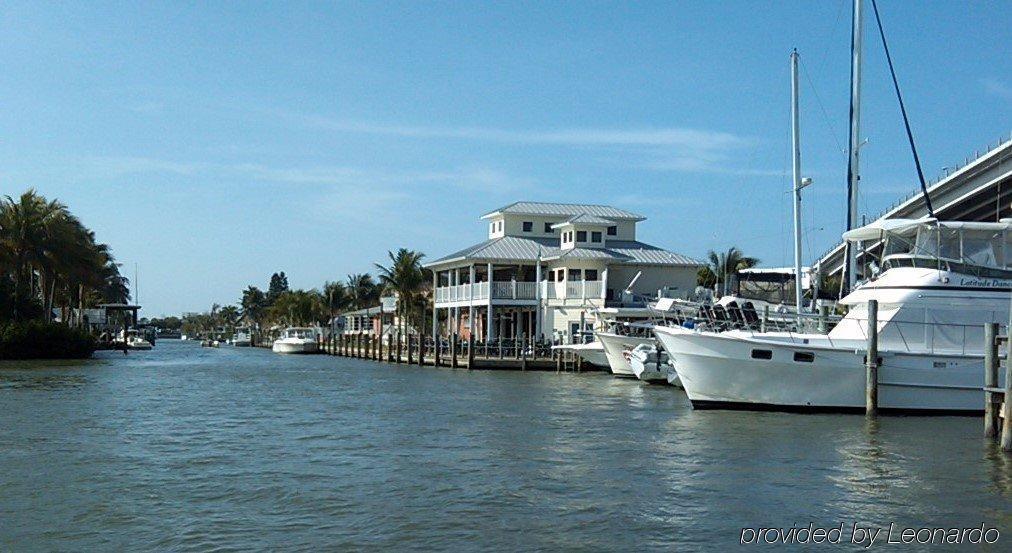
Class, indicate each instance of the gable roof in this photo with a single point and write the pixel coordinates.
(515, 248)
(565, 210)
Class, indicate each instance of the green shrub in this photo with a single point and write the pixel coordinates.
(39, 340)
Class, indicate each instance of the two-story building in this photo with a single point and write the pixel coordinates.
(546, 266)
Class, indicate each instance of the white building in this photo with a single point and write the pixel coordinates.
(545, 266)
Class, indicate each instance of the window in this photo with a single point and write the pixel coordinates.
(559, 274)
(595, 236)
(500, 225)
(528, 226)
(575, 274)
(762, 354)
(804, 356)
(548, 228)
(491, 227)
(612, 231)
(581, 236)
(591, 274)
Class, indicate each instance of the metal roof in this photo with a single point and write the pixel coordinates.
(585, 219)
(514, 248)
(565, 210)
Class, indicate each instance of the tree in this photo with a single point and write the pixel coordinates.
(278, 286)
(362, 290)
(722, 267)
(299, 308)
(254, 305)
(406, 276)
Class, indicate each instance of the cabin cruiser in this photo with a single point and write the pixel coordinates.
(134, 340)
(296, 340)
(938, 284)
(242, 338)
(648, 364)
(628, 328)
(591, 352)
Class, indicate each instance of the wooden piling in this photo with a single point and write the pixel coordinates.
(523, 357)
(399, 348)
(411, 353)
(871, 362)
(437, 351)
(470, 352)
(992, 403)
(453, 350)
(1006, 425)
(823, 319)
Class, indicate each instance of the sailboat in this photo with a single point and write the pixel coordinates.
(938, 284)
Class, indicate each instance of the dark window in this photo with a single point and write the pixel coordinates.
(575, 274)
(581, 236)
(595, 236)
(500, 226)
(591, 274)
(559, 274)
(804, 356)
(528, 226)
(612, 231)
(548, 228)
(762, 354)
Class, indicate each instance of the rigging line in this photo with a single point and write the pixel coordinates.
(825, 114)
(903, 110)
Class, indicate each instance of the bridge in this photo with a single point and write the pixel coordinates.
(978, 190)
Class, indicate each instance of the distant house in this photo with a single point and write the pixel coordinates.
(380, 319)
(546, 266)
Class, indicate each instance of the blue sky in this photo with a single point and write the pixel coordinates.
(214, 144)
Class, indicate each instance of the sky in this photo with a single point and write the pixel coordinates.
(212, 144)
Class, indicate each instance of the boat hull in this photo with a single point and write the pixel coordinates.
(719, 371)
(294, 347)
(616, 350)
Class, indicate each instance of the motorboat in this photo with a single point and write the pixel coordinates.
(297, 339)
(242, 338)
(649, 364)
(617, 348)
(134, 340)
(591, 352)
(939, 284)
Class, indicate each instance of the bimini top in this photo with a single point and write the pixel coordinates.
(908, 227)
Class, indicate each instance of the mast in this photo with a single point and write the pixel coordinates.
(796, 172)
(854, 144)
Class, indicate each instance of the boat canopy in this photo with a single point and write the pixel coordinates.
(908, 227)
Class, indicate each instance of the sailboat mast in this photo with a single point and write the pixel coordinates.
(854, 144)
(796, 171)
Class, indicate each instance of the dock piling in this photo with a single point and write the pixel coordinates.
(992, 402)
(453, 350)
(470, 352)
(871, 362)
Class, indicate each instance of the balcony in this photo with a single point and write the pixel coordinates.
(512, 290)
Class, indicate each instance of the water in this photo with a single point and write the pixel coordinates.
(194, 449)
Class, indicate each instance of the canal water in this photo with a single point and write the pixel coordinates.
(192, 449)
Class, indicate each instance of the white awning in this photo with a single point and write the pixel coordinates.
(877, 229)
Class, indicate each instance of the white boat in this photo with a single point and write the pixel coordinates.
(591, 352)
(135, 341)
(296, 340)
(648, 364)
(940, 283)
(242, 338)
(617, 348)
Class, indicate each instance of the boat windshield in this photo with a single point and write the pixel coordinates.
(300, 333)
(966, 245)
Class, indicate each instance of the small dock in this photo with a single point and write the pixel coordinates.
(454, 353)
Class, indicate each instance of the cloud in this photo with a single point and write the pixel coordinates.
(996, 87)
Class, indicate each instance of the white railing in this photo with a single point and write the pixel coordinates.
(507, 290)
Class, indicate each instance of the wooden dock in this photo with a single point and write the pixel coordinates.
(454, 353)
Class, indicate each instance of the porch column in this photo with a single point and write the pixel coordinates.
(537, 295)
(488, 315)
(435, 310)
(470, 303)
(604, 283)
(583, 285)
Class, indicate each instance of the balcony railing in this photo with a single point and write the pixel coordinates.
(479, 291)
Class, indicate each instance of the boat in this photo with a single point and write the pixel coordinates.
(242, 338)
(616, 350)
(591, 353)
(628, 328)
(134, 340)
(296, 339)
(648, 364)
(939, 284)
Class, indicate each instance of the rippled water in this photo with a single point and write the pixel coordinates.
(186, 448)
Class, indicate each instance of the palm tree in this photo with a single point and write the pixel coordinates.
(407, 278)
(299, 307)
(723, 267)
(362, 290)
